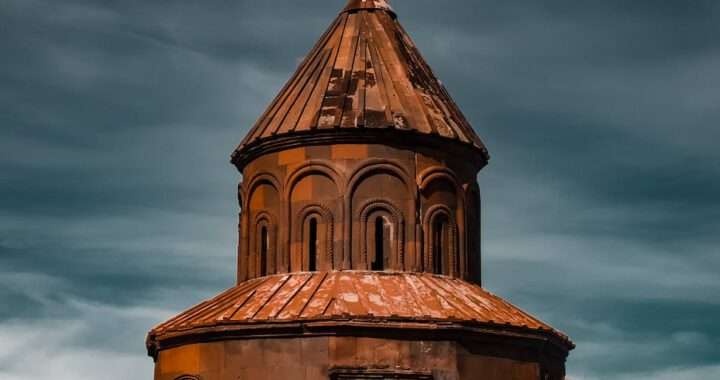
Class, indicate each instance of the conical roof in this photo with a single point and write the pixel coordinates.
(364, 74)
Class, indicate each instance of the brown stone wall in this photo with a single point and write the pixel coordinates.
(421, 201)
(315, 358)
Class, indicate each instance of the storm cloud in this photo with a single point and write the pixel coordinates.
(601, 202)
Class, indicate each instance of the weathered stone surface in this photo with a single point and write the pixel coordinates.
(439, 359)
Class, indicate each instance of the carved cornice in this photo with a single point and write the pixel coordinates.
(391, 137)
(386, 328)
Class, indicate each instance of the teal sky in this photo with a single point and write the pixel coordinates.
(601, 201)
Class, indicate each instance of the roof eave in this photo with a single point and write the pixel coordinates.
(408, 139)
(358, 326)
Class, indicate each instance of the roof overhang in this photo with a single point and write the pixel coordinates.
(404, 139)
(365, 303)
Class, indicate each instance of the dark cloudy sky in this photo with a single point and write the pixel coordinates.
(602, 199)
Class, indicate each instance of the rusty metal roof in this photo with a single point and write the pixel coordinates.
(365, 72)
(368, 296)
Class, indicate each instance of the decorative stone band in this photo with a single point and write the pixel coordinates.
(406, 139)
(354, 303)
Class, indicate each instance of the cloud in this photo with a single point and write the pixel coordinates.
(53, 345)
(698, 373)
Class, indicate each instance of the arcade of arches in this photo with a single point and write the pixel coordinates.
(338, 208)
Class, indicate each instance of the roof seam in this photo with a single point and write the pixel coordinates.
(318, 74)
(298, 91)
(388, 63)
(332, 68)
(292, 297)
(380, 82)
(197, 311)
(447, 296)
(348, 82)
(312, 295)
(274, 292)
(282, 96)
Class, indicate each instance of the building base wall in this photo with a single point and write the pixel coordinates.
(338, 357)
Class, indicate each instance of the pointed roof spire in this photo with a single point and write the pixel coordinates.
(364, 80)
(356, 5)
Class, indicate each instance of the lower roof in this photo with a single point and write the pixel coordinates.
(382, 298)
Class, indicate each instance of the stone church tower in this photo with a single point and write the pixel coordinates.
(359, 234)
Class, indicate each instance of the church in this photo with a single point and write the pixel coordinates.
(359, 253)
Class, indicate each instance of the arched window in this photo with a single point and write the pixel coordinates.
(439, 243)
(264, 243)
(312, 242)
(381, 239)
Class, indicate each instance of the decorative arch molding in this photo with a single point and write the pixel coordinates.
(433, 173)
(376, 203)
(372, 206)
(364, 170)
(451, 252)
(378, 164)
(324, 213)
(265, 215)
(314, 166)
(258, 180)
(458, 217)
(310, 167)
(247, 227)
(434, 210)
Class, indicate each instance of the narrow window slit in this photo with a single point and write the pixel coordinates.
(312, 245)
(264, 242)
(438, 245)
(379, 259)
